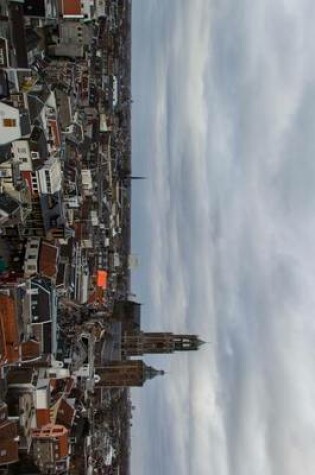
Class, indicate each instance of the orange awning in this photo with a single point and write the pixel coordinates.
(102, 276)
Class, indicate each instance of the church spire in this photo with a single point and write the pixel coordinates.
(151, 372)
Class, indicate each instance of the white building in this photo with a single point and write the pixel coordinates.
(6, 176)
(50, 176)
(14, 123)
(88, 8)
(21, 153)
(100, 8)
(87, 182)
(31, 257)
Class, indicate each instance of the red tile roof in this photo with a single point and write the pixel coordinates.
(70, 7)
(8, 429)
(30, 349)
(42, 417)
(8, 445)
(9, 451)
(9, 333)
(55, 132)
(65, 414)
(48, 257)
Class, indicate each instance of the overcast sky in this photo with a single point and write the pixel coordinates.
(224, 128)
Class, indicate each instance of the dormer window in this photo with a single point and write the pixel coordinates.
(9, 122)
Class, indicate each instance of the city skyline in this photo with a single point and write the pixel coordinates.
(224, 226)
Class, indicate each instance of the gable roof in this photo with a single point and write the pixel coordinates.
(20, 375)
(66, 412)
(48, 257)
(38, 143)
(8, 204)
(5, 152)
(18, 34)
(36, 102)
(41, 301)
(9, 329)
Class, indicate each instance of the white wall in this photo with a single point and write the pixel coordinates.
(21, 152)
(31, 257)
(50, 176)
(12, 132)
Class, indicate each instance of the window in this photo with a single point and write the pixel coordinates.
(3, 453)
(32, 256)
(22, 150)
(9, 122)
(24, 159)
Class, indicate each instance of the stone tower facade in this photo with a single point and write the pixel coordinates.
(125, 373)
(140, 343)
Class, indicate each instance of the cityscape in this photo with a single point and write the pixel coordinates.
(156, 193)
(71, 339)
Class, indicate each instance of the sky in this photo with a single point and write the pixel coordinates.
(223, 127)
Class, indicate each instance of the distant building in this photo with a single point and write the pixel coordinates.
(134, 342)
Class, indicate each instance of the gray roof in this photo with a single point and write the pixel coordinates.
(8, 204)
(38, 143)
(32, 38)
(52, 211)
(111, 349)
(34, 8)
(64, 113)
(5, 152)
(41, 301)
(36, 102)
(18, 34)
(4, 86)
(25, 123)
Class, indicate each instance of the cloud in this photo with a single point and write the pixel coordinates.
(224, 125)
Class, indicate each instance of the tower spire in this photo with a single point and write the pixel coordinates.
(151, 372)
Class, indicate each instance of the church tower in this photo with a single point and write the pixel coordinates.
(140, 343)
(125, 374)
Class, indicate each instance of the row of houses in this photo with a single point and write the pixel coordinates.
(61, 209)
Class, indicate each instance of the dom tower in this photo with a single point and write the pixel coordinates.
(141, 343)
(123, 371)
